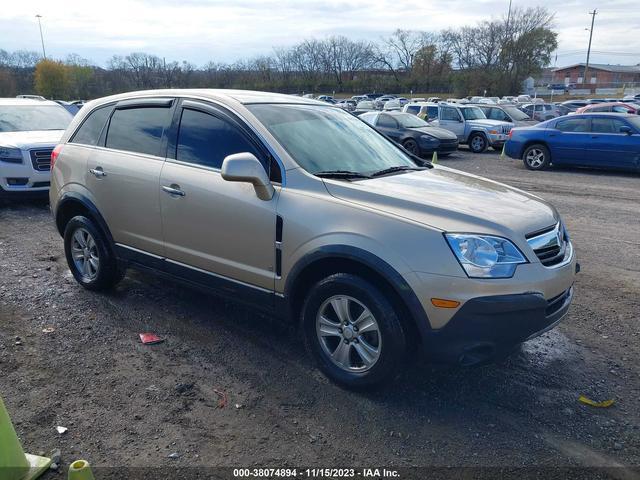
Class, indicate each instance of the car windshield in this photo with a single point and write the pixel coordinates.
(24, 118)
(516, 114)
(408, 120)
(326, 139)
(472, 113)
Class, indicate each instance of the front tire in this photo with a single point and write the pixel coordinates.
(89, 255)
(353, 332)
(536, 157)
(412, 147)
(478, 143)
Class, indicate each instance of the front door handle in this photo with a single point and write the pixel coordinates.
(173, 190)
(98, 172)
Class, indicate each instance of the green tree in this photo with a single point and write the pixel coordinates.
(51, 79)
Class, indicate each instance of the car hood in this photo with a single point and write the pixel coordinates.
(526, 123)
(24, 140)
(450, 200)
(486, 123)
(439, 133)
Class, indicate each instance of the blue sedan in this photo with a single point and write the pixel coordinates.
(603, 140)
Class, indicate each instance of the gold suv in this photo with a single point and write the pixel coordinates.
(302, 210)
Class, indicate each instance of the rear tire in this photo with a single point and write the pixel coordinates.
(478, 143)
(536, 157)
(353, 332)
(90, 256)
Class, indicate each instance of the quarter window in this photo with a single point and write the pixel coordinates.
(138, 129)
(90, 130)
(206, 140)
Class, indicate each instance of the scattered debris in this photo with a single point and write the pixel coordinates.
(593, 403)
(55, 456)
(173, 455)
(150, 339)
(239, 406)
(222, 402)
(61, 430)
(184, 388)
(48, 330)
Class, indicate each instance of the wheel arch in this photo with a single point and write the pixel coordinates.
(72, 204)
(529, 143)
(329, 260)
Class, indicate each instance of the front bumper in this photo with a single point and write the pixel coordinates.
(486, 328)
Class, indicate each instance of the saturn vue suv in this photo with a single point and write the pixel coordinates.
(304, 211)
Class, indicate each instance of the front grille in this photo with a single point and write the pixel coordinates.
(550, 245)
(41, 184)
(449, 141)
(506, 129)
(41, 159)
(556, 303)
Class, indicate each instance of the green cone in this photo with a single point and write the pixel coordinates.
(14, 463)
(80, 470)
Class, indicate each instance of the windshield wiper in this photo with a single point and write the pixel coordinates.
(399, 168)
(347, 174)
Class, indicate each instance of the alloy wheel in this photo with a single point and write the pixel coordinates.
(84, 252)
(348, 333)
(535, 158)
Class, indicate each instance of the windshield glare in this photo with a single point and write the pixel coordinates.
(472, 113)
(23, 118)
(408, 120)
(322, 139)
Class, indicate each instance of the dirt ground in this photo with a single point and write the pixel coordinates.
(72, 358)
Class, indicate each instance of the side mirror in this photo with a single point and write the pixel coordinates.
(626, 129)
(245, 167)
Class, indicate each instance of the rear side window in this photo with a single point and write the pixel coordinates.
(90, 130)
(413, 109)
(450, 114)
(138, 129)
(572, 125)
(387, 122)
(432, 112)
(206, 140)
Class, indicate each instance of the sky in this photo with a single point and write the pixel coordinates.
(200, 31)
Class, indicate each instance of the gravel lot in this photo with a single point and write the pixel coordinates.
(72, 358)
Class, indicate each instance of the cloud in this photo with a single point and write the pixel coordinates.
(221, 30)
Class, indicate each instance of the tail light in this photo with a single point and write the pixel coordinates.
(54, 154)
(510, 134)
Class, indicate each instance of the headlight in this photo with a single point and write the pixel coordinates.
(428, 139)
(493, 132)
(485, 256)
(10, 155)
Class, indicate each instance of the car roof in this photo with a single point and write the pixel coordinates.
(240, 96)
(602, 114)
(606, 104)
(25, 102)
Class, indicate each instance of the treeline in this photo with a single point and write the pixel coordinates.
(495, 56)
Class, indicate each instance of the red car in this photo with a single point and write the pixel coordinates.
(615, 107)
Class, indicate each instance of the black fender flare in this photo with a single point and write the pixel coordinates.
(373, 262)
(75, 197)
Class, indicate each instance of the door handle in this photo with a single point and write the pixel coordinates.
(173, 190)
(98, 172)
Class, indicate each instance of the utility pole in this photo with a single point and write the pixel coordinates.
(586, 67)
(44, 54)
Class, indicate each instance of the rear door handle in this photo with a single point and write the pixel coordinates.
(98, 172)
(173, 190)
